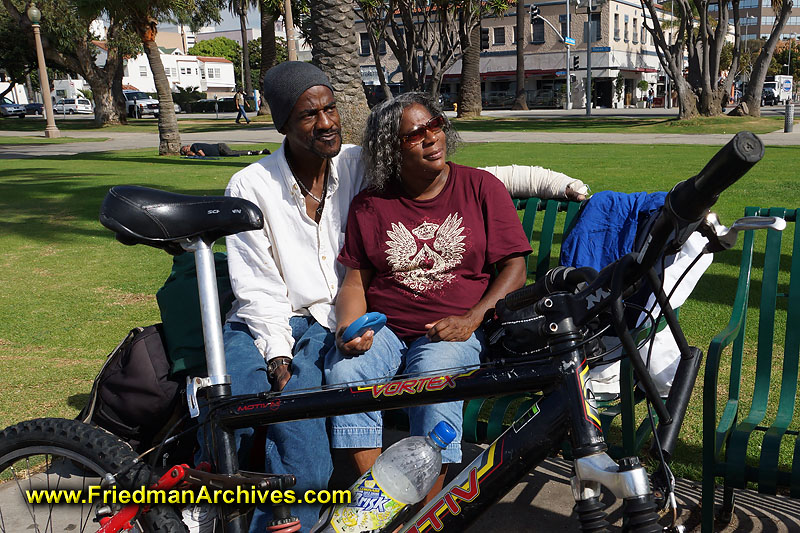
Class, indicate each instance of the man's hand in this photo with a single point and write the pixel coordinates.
(452, 328)
(279, 371)
(572, 194)
(355, 346)
(280, 377)
(203, 154)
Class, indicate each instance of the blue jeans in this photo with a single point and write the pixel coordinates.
(387, 355)
(300, 447)
(242, 114)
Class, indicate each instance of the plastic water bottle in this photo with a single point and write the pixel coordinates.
(402, 475)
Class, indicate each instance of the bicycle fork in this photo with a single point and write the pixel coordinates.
(627, 480)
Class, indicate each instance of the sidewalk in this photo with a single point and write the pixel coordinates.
(262, 134)
(543, 501)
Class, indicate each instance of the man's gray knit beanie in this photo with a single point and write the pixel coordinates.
(285, 82)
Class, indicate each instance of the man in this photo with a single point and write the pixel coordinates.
(285, 277)
(217, 150)
(239, 101)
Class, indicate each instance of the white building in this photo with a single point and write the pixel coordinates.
(212, 75)
(619, 44)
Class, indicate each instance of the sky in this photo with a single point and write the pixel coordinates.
(229, 21)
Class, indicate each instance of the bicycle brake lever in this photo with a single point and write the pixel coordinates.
(723, 238)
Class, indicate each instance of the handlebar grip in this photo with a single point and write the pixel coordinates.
(692, 198)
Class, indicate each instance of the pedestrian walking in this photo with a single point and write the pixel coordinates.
(240, 103)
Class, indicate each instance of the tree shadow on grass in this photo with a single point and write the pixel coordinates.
(555, 124)
(58, 198)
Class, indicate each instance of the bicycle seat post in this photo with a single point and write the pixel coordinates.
(209, 312)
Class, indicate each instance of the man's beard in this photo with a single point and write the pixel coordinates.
(334, 146)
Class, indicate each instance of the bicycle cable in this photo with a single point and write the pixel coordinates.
(669, 477)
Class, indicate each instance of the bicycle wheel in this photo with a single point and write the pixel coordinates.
(57, 454)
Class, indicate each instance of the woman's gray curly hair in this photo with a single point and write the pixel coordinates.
(381, 143)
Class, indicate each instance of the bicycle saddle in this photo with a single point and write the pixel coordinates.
(140, 215)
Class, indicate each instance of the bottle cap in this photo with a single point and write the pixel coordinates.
(443, 434)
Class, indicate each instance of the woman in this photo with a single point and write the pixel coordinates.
(421, 246)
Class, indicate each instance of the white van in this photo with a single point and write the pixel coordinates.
(70, 106)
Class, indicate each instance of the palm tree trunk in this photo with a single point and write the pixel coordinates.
(521, 100)
(268, 53)
(169, 138)
(248, 81)
(335, 51)
(469, 94)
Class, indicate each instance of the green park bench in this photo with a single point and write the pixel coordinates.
(733, 433)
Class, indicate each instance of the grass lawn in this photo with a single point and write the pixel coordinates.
(642, 124)
(69, 292)
(42, 140)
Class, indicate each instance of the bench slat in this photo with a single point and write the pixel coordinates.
(770, 448)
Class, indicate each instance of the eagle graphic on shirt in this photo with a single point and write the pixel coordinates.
(423, 259)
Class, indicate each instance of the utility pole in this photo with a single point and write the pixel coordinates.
(536, 14)
(289, 23)
(589, 43)
(566, 58)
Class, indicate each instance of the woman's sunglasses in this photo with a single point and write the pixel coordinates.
(417, 135)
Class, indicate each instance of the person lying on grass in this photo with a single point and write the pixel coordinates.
(217, 150)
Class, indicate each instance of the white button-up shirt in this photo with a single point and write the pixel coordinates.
(274, 272)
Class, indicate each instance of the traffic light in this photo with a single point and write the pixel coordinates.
(534, 11)
(484, 38)
(576, 61)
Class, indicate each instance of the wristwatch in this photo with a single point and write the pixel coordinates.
(275, 362)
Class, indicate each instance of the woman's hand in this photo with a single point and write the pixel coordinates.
(351, 303)
(453, 328)
(355, 346)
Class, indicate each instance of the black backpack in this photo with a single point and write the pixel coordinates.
(133, 395)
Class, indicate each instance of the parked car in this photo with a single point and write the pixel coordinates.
(225, 105)
(139, 103)
(10, 109)
(34, 108)
(768, 96)
(70, 106)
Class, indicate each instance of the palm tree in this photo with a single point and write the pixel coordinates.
(240, 8)
(270, 10)
(334, 50)
(142, 16)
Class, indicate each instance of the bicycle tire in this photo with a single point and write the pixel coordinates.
(57, 453)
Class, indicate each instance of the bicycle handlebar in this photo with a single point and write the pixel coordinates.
(691, 198)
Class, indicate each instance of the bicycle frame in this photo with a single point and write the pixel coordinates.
(541, 429)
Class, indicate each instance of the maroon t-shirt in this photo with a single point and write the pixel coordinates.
(432, 258)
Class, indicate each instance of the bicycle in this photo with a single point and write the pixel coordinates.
(549, 327)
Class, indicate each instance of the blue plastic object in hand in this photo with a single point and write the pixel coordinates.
(360, 325)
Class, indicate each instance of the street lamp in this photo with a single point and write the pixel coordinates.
(789, 64)
(50, 131)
